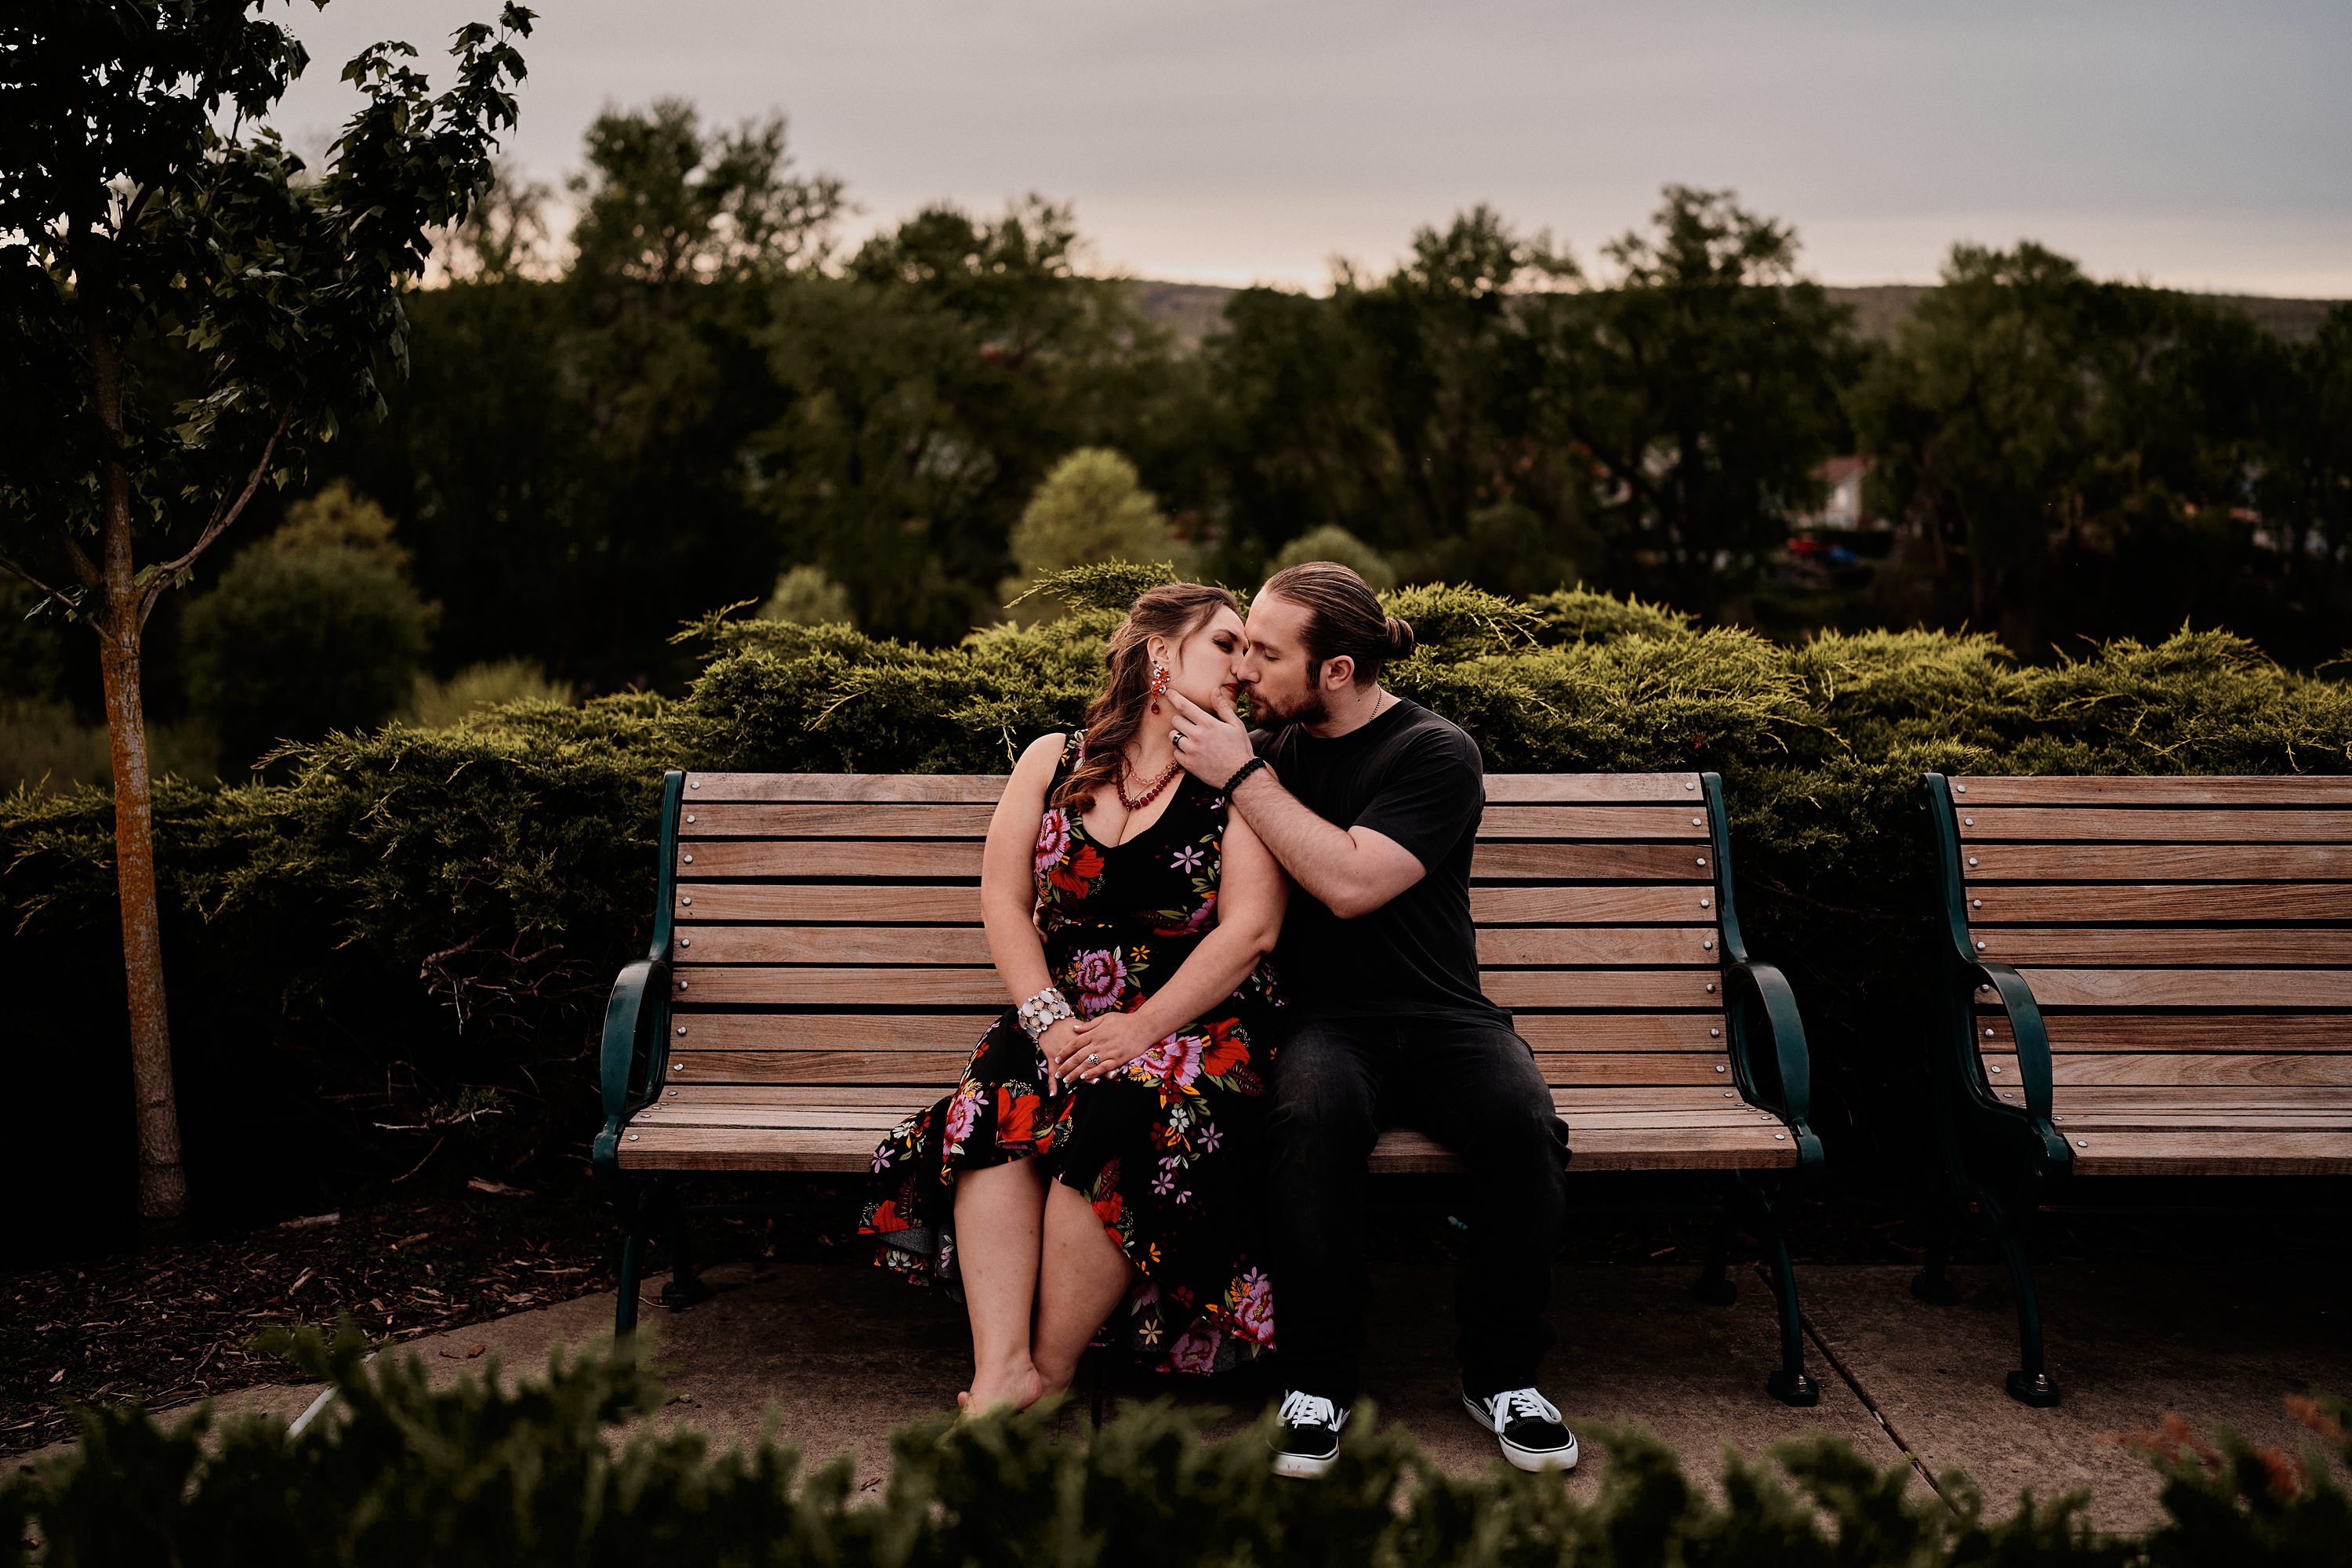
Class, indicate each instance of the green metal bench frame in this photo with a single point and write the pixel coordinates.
(2001, 1158)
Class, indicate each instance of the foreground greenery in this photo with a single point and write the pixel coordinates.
(396, 949)
(537, 1472)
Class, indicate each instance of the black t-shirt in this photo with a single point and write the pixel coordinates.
(1415, 778)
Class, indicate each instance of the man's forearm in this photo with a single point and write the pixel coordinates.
(1319, 854)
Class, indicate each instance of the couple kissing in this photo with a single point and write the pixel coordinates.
(1234, 957)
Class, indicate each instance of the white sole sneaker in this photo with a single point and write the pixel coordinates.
(1302, 1466)
(1530, 1460)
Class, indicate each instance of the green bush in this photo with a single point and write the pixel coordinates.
(295, 641)
(539, 1471)
(437, 704)
(1332, 542)
(503, 867)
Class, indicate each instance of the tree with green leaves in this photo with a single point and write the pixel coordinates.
(185, 310)
(932, 381)
(1702, 381)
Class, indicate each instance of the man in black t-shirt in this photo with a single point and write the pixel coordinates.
(1372, 803)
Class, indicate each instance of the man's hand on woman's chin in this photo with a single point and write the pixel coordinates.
(1214, 745)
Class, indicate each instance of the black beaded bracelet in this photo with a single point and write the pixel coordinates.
(1241, 772)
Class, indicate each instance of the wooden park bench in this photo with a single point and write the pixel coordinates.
(2144, 976)
(818, 969)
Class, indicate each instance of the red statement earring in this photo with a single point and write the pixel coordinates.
(1158, 683)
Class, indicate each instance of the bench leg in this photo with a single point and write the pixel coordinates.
(1931, 1284)
(1788, 1383)
(2031, 1384)
(632, 1269)
(1715, 1288)
(686, 1287)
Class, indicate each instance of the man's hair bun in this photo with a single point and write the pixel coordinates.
(1400, 637)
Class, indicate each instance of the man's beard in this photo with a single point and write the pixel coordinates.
(1309, 711)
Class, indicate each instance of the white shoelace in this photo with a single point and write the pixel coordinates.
(1504, 1409)
(1302, 1409)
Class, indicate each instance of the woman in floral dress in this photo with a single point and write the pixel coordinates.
(1102, 1148)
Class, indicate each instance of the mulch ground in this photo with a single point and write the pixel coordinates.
(168, 1324)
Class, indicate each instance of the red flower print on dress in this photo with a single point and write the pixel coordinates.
(884, 1219)
(1100, 977)
(1016, 1117)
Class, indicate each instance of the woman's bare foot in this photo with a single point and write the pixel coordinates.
(1016, 1385)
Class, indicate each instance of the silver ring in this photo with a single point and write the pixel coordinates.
(1092, 1059)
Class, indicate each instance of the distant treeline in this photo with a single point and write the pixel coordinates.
(700, 387)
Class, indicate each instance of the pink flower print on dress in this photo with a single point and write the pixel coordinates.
(1100, 977)
(1173, 1063)
(1188, 859)
(1197, 1350)
(963, 1113)
(1053, 839)
(1252, 1301)
(1202, 919)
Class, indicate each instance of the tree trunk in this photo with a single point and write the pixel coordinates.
(162, 1186)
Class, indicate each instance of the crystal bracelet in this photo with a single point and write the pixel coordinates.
(1043, 1011)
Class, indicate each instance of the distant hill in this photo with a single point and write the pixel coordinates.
(1191, 311)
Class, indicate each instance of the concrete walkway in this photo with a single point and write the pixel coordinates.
(840, 1355)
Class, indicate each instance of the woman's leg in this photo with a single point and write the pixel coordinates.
(999, 1211)
(1082, 1275)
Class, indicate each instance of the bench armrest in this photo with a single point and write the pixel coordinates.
(628, 1067)
(2032, 1036)
(640, 1000)
(1766, 990)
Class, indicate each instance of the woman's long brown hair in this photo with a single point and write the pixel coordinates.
(1175, 611)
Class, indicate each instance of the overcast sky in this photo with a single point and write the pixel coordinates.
(2199, 145)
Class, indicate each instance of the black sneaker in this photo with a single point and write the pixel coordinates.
(1308, 1438)
(1528, 1427)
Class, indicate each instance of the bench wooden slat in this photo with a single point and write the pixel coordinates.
(984, 788)
(2182, 1152)
(1591, 906)
(2155, 863)
(793, 903)
(760, 820)
(2072, 1033)
(1594, 945)
(940, 859)
(2127, 904)
(1592, 863)
(938, 1069)
(2155, 824)
(843, 986)
(1611, 945)
(2323, 789)
(1603, 1033)
(928, 859)
(1593, 821)
(1399, 1152)
(2107, 946)
(849, 820)
(981, 789)
(2170, 1069)
(1517, 788)
(2191, 987)
(785, 1100)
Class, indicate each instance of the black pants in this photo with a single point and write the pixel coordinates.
(1473, 1087)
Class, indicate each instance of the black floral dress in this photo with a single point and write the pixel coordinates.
(1168, 1150)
